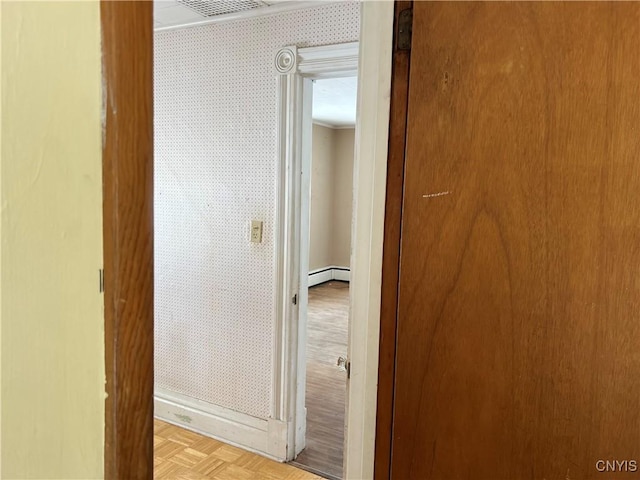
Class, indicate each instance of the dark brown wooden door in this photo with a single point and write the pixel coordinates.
(518, 321)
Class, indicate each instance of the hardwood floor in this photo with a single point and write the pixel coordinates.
(179, 454)
(327, 327)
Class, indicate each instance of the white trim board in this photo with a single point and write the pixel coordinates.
(266, 437)
(369, 181)
(367, 231)
(296, 69)
(328, 61)
(326, 274)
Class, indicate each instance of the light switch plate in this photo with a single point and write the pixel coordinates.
(256, 231)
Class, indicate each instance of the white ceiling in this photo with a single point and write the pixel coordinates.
(334, 101)
(173, 13)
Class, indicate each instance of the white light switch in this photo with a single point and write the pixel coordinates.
(256, 231)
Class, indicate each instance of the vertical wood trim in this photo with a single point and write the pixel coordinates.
(369, 174)
(127, 47)
(391, 253)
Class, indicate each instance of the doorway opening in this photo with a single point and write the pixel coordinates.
(130, 330)
(330, 205)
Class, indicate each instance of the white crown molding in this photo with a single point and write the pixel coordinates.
(322, 124)
(326, 61)
(333, 127)
(330, 61)
(277, 8)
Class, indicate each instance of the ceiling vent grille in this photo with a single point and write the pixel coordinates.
(211, 8)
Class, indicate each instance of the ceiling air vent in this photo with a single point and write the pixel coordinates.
(211, 8)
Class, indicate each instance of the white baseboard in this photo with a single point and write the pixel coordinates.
(321, 275)
(342, 274)
(266, 437)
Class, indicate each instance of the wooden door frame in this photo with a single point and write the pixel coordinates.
(391, 269)
(391, 251)
(127, 156)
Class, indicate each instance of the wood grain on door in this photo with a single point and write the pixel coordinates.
(518, 335)
(127, 43)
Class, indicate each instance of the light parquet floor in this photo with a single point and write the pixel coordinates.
(183, 455)
(327, 329)
(180, 454)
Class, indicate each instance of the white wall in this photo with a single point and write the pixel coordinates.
(52, 311)
(343, 196)
(331, 203)
(215, 167)
(321, 216)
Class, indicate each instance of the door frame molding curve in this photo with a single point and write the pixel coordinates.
(374, 58)
(295, 69)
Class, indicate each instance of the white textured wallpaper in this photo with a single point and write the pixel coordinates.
(215, 171)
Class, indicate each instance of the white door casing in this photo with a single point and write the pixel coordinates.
(371, 58)
(367, 232)
(297, 68)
